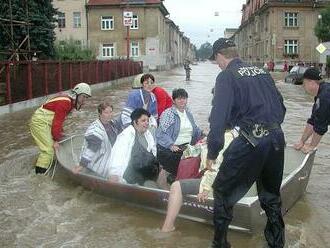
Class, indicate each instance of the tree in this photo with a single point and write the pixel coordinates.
(205, 51)
(322, 28)
(41, 16)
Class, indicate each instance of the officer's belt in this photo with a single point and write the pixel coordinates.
(253, 132)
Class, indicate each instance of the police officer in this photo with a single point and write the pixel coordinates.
(245, 96)
(317, 124)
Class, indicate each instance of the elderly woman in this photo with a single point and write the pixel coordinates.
(99, 139)
(133, 158)
(177, 128)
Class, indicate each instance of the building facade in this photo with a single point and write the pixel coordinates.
(279, 31)
(151, 38)
(72, 21)
(148, 39)
(229, 32)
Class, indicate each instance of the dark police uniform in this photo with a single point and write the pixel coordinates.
(320, 118)
(246, 96)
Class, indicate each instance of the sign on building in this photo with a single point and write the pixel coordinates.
(321, 48)
(128, 18)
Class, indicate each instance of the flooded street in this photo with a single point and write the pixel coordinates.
(36, 211)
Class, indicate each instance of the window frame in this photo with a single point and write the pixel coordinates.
(134, 50)
(76, 19)
(108, 48)
(291, 16)
(291, 44)
(110, 20)
(135, 22)
(61, 20)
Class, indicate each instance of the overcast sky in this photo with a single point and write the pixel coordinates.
(196, 18)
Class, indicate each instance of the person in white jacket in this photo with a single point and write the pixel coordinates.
(123, 147)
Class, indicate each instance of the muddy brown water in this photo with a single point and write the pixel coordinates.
(36, 211)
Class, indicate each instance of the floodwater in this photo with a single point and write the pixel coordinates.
(36, 211)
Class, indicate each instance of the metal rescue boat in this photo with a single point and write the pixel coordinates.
(248, 216)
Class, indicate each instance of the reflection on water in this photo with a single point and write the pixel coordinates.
(38, 212)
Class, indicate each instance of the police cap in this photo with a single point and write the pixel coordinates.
(312, 73)
(220, 44)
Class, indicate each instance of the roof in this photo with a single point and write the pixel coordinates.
(121, 2)
(130, 3)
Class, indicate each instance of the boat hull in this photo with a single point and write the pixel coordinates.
(247, 216)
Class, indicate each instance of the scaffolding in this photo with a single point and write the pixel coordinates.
(23, 48)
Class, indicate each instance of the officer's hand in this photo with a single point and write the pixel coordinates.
(202, 197)
(299, 145)
(209, 164)
(307, 148)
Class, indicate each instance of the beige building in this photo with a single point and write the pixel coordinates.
(151, 37)
(279, 30)
(146, 36)
(72, 22)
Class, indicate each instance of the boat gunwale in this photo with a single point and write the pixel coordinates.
(245, 201)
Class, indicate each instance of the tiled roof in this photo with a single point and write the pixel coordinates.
(118, 2)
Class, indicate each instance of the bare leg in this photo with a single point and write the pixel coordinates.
(173, 207)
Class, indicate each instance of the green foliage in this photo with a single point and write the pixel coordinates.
(328, 61)
(322, 28)
(205, 51)
(41, 17)
(71, 50)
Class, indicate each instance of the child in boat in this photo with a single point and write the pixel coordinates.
(202, 186)
(99, 139)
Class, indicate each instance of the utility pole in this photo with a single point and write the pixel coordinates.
(127, 21)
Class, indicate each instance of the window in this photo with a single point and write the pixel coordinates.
(108, 50)
(76, 19)
(290, 19)
(61, 20)
(135, 22)
(135, 49)
(291, 47)
(107, 23)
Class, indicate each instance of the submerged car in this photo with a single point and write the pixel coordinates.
(295, 75)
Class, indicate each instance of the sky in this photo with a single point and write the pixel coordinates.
(196, 18)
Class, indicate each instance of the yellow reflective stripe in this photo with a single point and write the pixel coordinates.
(59, 99)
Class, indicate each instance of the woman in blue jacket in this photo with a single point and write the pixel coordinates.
(176, 129)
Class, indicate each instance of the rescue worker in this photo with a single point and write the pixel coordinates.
(187, 69)
(317, 124)
(245, 96)
(46, 124)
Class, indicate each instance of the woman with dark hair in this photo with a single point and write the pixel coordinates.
(134, 141)
(141, 98)
(177, 128)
